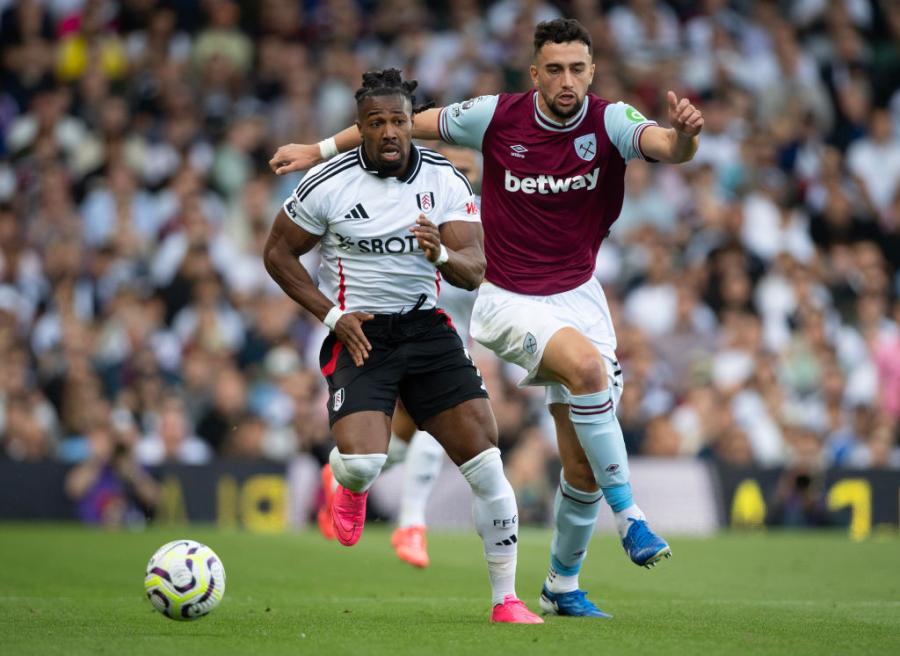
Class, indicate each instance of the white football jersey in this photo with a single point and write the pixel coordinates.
(369, 259)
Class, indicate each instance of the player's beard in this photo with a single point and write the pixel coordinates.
(559, 112)
(391, 168)
(387, 167)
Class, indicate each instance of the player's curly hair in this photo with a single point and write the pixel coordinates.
(388, 82)
(561, 30)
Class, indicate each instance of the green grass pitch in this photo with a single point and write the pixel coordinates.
(68, 590)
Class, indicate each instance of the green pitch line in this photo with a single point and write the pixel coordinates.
(67, 590)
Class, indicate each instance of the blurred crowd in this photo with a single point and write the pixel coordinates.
(755, 290)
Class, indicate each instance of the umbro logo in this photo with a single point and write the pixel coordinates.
(357, 213)
(518, 151)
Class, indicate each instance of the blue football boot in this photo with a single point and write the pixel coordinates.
(573, 604)
(643, 546)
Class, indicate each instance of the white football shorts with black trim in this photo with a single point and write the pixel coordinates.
(517, 327)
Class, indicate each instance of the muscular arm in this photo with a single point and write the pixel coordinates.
(299, 157)
(464, 241)
(680, 142)
(286, 243)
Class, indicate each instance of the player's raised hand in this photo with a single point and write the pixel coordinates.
(683, 116)
(429, 238)
(295, 157)
(349, 330)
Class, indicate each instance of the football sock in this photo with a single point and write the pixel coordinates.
(396, 452)
(423, 465)
(623, 506)
(600, 435)
(496, 519)
(575, 517)
(356, 472)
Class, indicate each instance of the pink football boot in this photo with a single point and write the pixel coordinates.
(513, 611)
(323, 516)
(348, 515)
(410, 545)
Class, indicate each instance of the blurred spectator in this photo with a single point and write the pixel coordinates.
(173, 440)
(110, 487)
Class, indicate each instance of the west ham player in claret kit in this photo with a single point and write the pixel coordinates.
(554, 164)
(391, 221)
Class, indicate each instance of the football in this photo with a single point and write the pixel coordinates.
(184, 580)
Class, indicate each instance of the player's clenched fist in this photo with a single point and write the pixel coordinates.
(349, 330)
(295, 157)
(684, 117)
(429, 238)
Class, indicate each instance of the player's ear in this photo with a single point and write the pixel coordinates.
(534, 74)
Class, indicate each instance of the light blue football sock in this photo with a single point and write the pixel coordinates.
(576, 515)
(594, 418)
(600, 435)
(619, 497)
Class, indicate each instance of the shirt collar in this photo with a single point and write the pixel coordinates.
(415, 163)
(555, 126)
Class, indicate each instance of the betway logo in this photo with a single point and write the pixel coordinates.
(548, 184)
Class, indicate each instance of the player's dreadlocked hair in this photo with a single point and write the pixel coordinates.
(561, 30)
(387, 83)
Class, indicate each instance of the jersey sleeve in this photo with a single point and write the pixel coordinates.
(624, 125)
(306, 213)
(461, 202)
(465, 123)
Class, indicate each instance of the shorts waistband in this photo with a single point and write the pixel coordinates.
(410, 317)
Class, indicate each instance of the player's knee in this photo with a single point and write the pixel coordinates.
(587, 375)
(356, 472)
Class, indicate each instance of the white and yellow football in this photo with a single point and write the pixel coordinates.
(185, 580)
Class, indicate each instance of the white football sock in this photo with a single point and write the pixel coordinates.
(496, 519)
(356, 472)
(423, 465)
(396, 452)
(557, 582)
(622, 517)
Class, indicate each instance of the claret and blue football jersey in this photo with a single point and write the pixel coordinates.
(550, 191)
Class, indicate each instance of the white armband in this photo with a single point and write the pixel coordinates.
(328, 148)
(332, 317)
(442, 257)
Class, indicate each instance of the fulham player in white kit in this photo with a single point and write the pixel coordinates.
(553, 184)
(392, 222)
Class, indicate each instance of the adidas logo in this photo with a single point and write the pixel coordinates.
(357, 213)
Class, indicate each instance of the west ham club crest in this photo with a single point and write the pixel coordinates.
(586, 146)
(425, 201)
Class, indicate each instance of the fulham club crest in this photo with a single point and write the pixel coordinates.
(425, 201)
(586, 146)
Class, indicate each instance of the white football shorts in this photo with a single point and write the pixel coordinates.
(517, 327)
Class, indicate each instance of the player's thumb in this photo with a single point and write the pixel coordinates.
(673, 100)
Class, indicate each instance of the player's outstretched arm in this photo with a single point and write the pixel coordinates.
(286, 243)
(679, 143)
(456, 249)
(299, 157)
